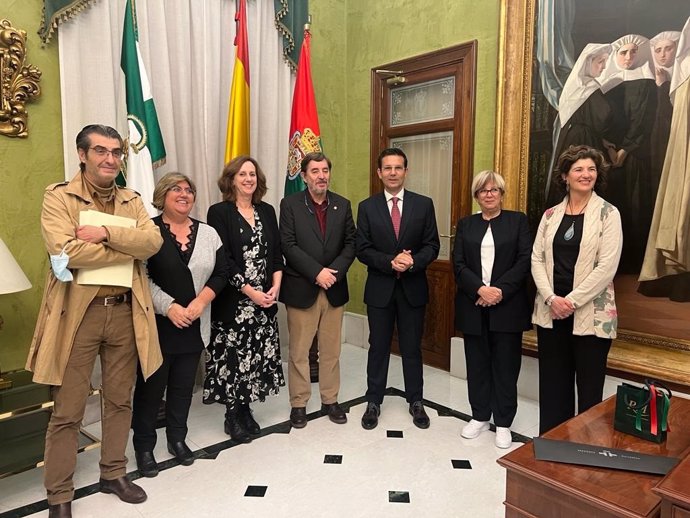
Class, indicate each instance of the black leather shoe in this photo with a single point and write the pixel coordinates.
(248, 421)
(236, 432)
(124, 489)
(181, 452)
(334, 412)
(298, 417)
(63, 510)
(370, 419)
(146, 463)
(419, 417)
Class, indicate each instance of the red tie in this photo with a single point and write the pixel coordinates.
(395, 216)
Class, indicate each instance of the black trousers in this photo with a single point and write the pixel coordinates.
(177, 373)
(410, 323)
(565, 360)
(493, 365)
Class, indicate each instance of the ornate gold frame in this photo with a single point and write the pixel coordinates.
(18, 81)
(633, 352)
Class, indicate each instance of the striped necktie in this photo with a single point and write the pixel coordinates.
(395, 216)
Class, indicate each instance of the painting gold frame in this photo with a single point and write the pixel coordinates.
(18, 81)
(633, 354)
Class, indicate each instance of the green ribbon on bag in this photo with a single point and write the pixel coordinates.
(664, 413)
(651, 404)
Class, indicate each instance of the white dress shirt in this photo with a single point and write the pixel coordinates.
(389, 200)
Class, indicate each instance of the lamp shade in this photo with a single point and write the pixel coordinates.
(12, 278)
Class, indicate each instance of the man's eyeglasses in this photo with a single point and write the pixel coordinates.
(177, 190)
(486, 192)
(104, 151)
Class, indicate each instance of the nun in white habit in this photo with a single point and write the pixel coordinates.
(668, 247)
(628, 83)
(583, 112)
(664, 47)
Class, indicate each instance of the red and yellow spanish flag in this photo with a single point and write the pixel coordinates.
(237, 140)
(305, 135)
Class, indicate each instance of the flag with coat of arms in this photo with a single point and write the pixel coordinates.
(305, 134)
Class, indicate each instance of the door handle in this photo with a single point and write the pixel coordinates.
(450, 236)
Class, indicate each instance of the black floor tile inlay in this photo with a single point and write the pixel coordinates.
(461, 464)
(397, 434)
(400, 497)
(333, 459)
(256, 491)
(208, 455)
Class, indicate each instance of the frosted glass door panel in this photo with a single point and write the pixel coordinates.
(430, 170)
(423, 102)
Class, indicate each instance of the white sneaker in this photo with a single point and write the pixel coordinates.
(474, 428)
(503, 437)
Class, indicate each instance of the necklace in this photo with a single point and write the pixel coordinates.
(247, 213)
(571, 229)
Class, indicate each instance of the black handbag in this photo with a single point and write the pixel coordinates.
(643, 411)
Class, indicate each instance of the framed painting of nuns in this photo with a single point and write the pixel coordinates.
(614, 75)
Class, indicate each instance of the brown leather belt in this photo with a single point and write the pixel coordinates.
(113, 300)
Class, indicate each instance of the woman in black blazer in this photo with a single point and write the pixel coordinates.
(243, 362)
(492, 261)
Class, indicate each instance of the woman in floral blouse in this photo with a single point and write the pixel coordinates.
(243, 362)
(574, 259)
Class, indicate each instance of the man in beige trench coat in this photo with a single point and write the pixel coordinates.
(78, 322)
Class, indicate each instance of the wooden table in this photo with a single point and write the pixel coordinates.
(674, 490)
(545, 489)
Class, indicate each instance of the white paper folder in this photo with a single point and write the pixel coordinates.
(113, 275)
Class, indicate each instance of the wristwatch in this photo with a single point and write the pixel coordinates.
(549, 300)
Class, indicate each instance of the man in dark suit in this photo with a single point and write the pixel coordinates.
(397, 239)
(318, 240)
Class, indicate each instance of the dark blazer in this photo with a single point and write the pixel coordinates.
(307, 252)
(513, 248)
(167, 269)
(377, 246)
(225, 218)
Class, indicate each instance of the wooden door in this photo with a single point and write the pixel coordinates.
(425, 106)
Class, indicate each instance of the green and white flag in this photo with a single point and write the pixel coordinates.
(146, 150)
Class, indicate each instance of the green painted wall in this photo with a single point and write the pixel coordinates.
(329, 62)
(353, 36)
(349, 38)
(26, 167)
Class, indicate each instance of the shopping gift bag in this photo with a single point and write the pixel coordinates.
(643, 411)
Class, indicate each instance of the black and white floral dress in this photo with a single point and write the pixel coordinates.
(243, 359)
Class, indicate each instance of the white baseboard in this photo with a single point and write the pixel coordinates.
(457, 358)
(356, 330)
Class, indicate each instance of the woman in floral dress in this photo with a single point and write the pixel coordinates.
(243, 362)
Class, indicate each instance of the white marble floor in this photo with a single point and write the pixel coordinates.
(290, 463)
